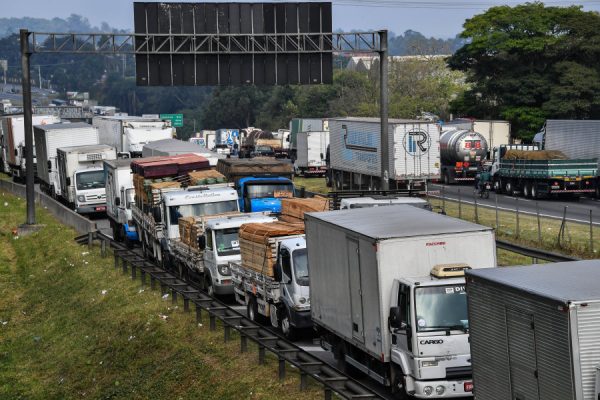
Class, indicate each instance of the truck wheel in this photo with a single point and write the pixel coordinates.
(252, 310)
(534, 192)
(526, 190)
(208, 286)
(508, 188)
(286, 327)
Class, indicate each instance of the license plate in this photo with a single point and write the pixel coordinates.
(468, 386)
(103, 208)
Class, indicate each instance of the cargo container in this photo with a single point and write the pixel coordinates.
(311, 153)
(81, 176)
(414, 156)
(462, 153)
(305, 125)
(12, 142)
(129, 134)
(174, 147)
(388, 295)
(535, 331)
(495, 132)
(48, 138)
(120, 196)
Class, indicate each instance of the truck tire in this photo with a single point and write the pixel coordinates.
(252, 310)
(526, 190)
(287, 329)
(509, 188)
(208, 286)
(534, 191)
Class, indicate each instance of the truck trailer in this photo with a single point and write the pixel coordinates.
(120, 195)
(311, 153)
(535, 331)
(129, 134)
(355, 153)
(12, 142)
(48, 138)
(462, 152)
(388, 294)
(495, 132)
(81, 176)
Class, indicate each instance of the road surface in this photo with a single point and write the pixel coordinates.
(577, 211)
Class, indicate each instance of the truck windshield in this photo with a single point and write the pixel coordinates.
(200, 209)
(301, 266)
(227, 242)
(262, 190)
(90, 180)
(441, 308)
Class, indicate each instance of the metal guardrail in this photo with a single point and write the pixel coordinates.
(533, 253)
(333, 380)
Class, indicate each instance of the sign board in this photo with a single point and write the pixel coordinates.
(176, 119)
(233, 44)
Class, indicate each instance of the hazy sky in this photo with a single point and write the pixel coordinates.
(440, 18)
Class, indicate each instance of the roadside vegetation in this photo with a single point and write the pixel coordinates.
(72, 327)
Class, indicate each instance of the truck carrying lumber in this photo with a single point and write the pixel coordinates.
(293, 209)
(169, 166)
(234, 168)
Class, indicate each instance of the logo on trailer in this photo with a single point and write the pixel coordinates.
(417, 142)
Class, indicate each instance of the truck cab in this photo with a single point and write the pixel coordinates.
(89, 190)
(221, 245)
(264, 193)
(429, 326)
(498, 154)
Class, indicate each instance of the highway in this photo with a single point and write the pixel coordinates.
(577, 211)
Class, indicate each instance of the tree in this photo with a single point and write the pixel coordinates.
(529, 63)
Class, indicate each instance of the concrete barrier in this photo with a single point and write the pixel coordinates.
(65, 215)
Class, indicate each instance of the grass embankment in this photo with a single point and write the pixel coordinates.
(316, 185)
(73, 327)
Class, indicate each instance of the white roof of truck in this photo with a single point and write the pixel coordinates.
(395, 221)
(565, 282)
(237, 220)
(74, 125)
(86, 148)
(197, 196)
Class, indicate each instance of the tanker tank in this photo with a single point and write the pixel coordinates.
(461, 151)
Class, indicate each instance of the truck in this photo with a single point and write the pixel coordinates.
(298, 125)
(48, 138)
(129, 134)
(462, 152)
(535, 330)
(260, 182)
(258, 143)
(311, 153)
(120, 196)
(218, 246)
(522, 169)
(495, 132)
(577, 139)
(81, 176)
(355, 153)
(172, 147)
(12, 142)
(377, 201)
(158, 226)
(388, 294)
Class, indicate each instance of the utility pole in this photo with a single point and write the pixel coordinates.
(26, 86)
(40, 76)
(383, 109)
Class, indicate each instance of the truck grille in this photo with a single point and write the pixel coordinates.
(458, 372)
(92, 197)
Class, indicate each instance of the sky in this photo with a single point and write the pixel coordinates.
(438, 18)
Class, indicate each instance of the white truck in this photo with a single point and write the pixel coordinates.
(388, 294)
(129, 134)
(375, 201)
(219, 245)
(48, 138)
(311, 149)
(12, 142)
(120, 195)
(495, 132)
(283, 299)
(158, 227)
(81, 176)
(355, 153)
(535, 331)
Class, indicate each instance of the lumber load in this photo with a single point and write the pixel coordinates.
(534, 155)
(236, 168)
(191, 228)
(258, 244)
(293, 209)
(206, 177)
(169, 166)
(148, 191)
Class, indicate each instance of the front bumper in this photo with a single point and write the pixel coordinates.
(91, 208)
(223, 288)
(452, 389)
(301, 319)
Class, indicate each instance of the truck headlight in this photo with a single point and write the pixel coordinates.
(224, 269)
(439, 390)
(428, 390)
(81, 199)
(429, 363)
(302, 300)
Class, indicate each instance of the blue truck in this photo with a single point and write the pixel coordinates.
(261, 183)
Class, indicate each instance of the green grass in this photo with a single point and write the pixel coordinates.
(73, 327)
(316, 185)
(576, 240)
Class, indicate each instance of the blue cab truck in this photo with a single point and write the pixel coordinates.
(261, 183)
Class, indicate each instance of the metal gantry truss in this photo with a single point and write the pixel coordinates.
(118, 43)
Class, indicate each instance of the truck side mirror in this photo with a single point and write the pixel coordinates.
(202, 242)
(68, 181)
(117, 201)
(49, 165)
(156, 214)
(277, 272)
(321, 156)
(395, 319)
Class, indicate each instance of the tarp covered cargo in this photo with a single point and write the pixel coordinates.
(236, 168)
(163, 166)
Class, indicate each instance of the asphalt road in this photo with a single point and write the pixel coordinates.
(577, 211)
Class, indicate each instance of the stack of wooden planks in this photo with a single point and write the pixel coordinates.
(258, 244)
(207, 177)
(190, 228)
(293, 209)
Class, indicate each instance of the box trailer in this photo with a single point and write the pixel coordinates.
(48, 138)
(129, 134)
(120, 195)
(311, 152)
(388, 296)
(355, 153)
(535, 331)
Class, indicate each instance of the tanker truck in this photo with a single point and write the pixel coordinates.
(461, 152)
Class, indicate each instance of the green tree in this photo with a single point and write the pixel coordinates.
(528, 63)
